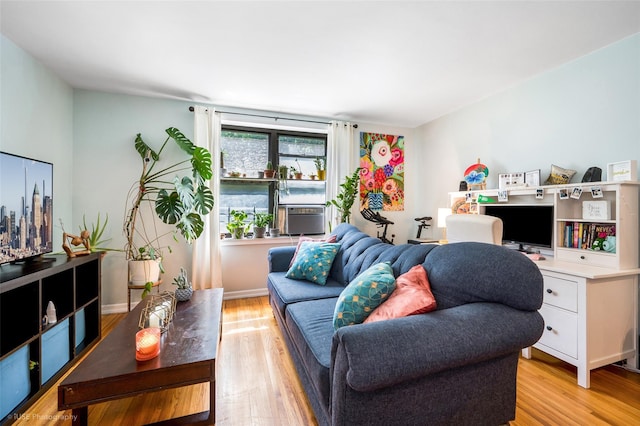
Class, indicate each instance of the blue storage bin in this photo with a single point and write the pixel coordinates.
(15, 383)
(81, 327)
(55, 350)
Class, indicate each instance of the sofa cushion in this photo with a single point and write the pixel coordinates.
(310, 327)
(411, 296)
(302, 239)
(313, 262)
(284, 291)
(364, 294)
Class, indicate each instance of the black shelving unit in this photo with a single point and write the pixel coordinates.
(28, 344)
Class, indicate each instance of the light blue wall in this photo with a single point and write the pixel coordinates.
(105, 126)
(36, 121)
(584, 113)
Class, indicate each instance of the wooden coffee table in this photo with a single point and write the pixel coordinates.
(187, 356)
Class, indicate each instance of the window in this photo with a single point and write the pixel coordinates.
(246, 152)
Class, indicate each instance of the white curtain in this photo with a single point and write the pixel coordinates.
(341, 161)
(206, 264)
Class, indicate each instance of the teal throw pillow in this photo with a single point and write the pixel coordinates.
(364, 294)
(313, 262)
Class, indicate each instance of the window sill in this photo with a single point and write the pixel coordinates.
(260, 241)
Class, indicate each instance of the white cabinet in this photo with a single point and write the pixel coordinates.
(590, 305)
(590, 316)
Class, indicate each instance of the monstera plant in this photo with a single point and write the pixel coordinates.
(174, 190)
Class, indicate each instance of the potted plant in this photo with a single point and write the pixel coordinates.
(269, 171)
(236, 225)
(297, 172)
(320, 163)
(184, 291)
(260, 222)
(176, 193)
(346, 197)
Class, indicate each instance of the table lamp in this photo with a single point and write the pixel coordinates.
(443, 212)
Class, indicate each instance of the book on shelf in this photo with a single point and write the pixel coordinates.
(588, 236)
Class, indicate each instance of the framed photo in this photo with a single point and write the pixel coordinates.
(532, 178)
(539, 194)
(596, 192)
(563, 194)
(576, 193)
(503, 196)
(622, 171)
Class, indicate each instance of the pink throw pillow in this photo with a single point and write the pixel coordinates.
(302, 239)
(412, 296)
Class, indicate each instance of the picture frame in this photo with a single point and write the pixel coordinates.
(622, 171)
(563, 194)
(532, 177)
(576, 192)
(539, 194)
(596, 192)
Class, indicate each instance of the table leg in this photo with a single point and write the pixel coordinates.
(80, 416)
(212, 401)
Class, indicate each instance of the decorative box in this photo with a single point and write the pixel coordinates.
(596, 210)
(622, 171)
(15, 383)
(55, 350)
(81, 327)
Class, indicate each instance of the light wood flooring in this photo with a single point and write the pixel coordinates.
(257, 385)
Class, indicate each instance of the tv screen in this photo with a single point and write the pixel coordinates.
(26, 208)
(527, 225)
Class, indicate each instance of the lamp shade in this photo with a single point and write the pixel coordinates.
(443, 212)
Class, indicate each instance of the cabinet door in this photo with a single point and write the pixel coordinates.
(561, 330)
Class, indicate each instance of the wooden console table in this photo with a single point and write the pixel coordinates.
(187, 356)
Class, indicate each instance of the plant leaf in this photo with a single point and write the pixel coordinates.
(169, 207)
(203, 200)
(191, 226)
(144, 149)
(185, 190)
(201, 163)
(183, 142)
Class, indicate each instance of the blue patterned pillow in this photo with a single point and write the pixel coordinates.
(313, 262)
(365, 293)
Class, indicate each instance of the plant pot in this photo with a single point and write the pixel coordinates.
(259, 231)
(261, 174)
(144, 271)
(298, 175)
(274, 232)
(237, 233)
(322, 174)
(269, 174)
(184, 294)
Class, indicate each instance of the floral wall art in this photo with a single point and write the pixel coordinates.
(381, 172)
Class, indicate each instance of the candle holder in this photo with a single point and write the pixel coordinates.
(147, 343)
(158, 312)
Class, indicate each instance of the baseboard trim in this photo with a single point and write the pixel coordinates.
(119, 308)
(242, 294)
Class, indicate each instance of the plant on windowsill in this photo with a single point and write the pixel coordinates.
(320, 163)
(176, 193)
(297, 172)
(237, 226)
(260, 223)
(346, 197)
(269, 171)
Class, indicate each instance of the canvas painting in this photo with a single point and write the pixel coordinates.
(381, 172)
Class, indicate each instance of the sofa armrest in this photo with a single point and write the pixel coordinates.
(372, 356)
(279, 258)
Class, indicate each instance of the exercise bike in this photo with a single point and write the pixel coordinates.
(381, 222)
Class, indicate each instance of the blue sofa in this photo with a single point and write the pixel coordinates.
(452, 366)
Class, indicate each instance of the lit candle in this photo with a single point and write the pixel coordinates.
(147, 343)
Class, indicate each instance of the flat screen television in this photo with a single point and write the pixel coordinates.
(525, 225)
(26, 208)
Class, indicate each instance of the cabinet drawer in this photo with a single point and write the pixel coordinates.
(587, 257)
(560, 330)
(561, 293)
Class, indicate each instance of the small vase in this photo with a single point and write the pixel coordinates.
(322, 174)
(183, 294)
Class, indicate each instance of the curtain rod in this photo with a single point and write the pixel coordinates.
(191, 108)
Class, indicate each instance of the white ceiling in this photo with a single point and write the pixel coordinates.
(388, 62)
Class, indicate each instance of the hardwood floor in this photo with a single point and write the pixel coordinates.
(257, 385)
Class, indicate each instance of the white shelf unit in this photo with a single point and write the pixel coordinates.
(590, 302)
